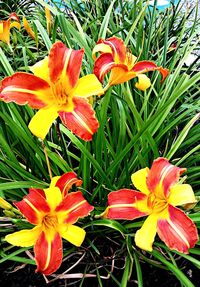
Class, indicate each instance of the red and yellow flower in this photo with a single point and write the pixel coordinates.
(159, 196)
(56, 90)
(115, 57)
(53, 211)
(6, 25)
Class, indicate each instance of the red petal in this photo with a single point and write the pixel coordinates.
(66, 181)
(162, 172)
(75, 206)
(104, 64)
(48, 254)
(179, 232)
(14, 16)
(117, 46)
(146, 66)
(33, 206)
(124, 197)
(81, 121)
(60, 57)
(33, 90)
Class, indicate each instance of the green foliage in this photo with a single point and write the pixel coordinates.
(135, 127)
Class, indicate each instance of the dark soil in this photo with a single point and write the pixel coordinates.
(14, 276)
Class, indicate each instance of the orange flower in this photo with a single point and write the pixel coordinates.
(6, 25)
(160, 193)
(56, 90)
(53, 211)
(114, 57)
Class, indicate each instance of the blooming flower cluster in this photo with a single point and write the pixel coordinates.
(56, 89)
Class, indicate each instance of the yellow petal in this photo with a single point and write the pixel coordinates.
(28, 28)
(143, 82)
(1, 28)
(41, 69)
(101, 48)
(15, 24)
(181, 194)
(144, 237)
(87, 86)
(73, 234)
(54, 181)
(139, 180)
(53, 196)
(42, 121)
(119, 75)
(24, 238)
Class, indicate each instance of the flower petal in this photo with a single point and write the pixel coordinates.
(23, 88)
(5, 27)
(101, 48)
(163, 175)
(15, 24)
(65, 64)
(53, 197)
(147, 66)
(178, 232)
(117, 46)
(33, 206)
(48, 253)
(73, 207)
(41, 69)
(81, 121)
(13, 16)
(24, 238)
(65, 182)
(145, 236)
(120, 75)
(28, 28)
(88, 86)
(181, 194)
(126, 204)
(73, 234)
(143, 82)
(42, 121)
(139, 180)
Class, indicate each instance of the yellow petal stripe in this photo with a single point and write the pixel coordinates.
(144, 237)
(73, 234)
(88, 86)
(139, 180)
(24, 238)
(42, 121)
(181, 194)
(53, 196)
(143, 82)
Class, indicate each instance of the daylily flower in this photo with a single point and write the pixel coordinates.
(56, 90)
(160, 193)
(115, 57)
(28, 28)
(53, 211)
(6, 25)
(48, 19)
